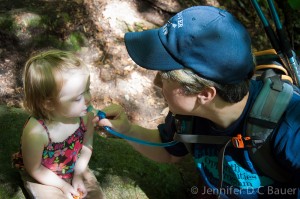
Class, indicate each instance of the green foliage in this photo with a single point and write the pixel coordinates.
(114, 157)
(295, 4)
(75, 41)
(7, 23)
(31, 23)
(35, 22)
(11, 122)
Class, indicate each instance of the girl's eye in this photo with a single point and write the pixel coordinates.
(80, 97)
(77, 99)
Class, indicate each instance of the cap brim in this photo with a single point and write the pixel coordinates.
(146, 50)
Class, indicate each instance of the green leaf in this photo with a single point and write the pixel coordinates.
(295, 4)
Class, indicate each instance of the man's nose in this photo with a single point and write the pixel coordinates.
(157, 80)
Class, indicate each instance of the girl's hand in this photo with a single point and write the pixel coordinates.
(69, 191)
(117, 119)
(80, 196)
(78, 185)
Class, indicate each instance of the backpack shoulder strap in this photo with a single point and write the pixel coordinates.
(265, 113)
(263, 118)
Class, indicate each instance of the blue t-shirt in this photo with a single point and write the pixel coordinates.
(241, 179)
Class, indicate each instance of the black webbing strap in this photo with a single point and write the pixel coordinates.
(203, 139)
(219, 140)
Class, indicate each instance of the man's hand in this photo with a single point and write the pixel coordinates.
(116, 119)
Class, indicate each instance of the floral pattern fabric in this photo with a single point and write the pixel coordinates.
(60, 157)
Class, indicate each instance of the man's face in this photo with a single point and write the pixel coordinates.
(178, 102)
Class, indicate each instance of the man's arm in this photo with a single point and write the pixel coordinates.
(159, 154)
(120, 123)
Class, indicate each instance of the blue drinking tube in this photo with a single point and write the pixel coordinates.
(102, 115)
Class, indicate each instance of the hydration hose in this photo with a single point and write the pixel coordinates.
(108, 129)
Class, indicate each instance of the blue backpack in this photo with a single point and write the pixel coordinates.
(264, 115)
(279, 70)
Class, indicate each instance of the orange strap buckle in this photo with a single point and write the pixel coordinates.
(238, 141)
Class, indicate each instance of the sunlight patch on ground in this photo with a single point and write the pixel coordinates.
(25, 22)
(123, 14)
(116, 187)
(136, 84)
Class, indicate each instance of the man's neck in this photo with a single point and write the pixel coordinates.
(223, 114)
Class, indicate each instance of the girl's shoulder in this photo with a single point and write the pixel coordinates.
(33, 129)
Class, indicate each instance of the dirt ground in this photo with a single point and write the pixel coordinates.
(115, 78)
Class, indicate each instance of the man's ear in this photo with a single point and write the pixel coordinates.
(207, 95)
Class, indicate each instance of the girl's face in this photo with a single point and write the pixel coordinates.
(75, 94)
(178, 102)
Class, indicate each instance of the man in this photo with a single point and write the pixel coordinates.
(203, 55)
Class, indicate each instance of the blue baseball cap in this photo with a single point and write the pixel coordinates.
(206, 39)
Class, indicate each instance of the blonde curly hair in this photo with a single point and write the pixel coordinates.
(42, 80)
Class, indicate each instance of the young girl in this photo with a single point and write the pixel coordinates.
(56, 143)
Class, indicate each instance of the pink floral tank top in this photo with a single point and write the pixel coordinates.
(60, 157)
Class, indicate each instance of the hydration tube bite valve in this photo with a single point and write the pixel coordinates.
(96, 112)
(102, 115)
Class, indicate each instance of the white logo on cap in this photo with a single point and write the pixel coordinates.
(178, 25)
(165, 29)
(180, 20)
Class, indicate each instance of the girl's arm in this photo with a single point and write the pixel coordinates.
(86, 151)
(85, 155)
(34, 139)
